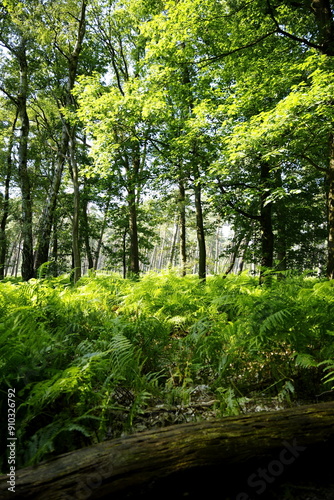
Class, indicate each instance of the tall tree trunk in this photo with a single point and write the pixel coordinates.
(73, 60)
(48, 214)
(244, 250)
(55, 249)
(133, 226)
(152, 264)
(216, 254)
(103, 228)
(330, 211)
(133, 234)
(5, 212)
(323, 13)
(197, 191)
(9, 259)
(12, 256)
(17, 258)
(27, 268)
(173, 245)
(281, 230)
(199, 225)
(46, 221)
(267, 235)
(234, 255)
(125, 232)
(200, 233)
(183, 242)
(76, 209)
(162, 249)
(85, 231)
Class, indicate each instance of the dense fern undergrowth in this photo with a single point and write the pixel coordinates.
(110, 356)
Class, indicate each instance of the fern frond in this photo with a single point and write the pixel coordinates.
(305, 360)
(275, 321)
(329, 366)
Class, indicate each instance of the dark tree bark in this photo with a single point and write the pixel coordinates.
(48, 214)
(281, 230)
(19, 51)
(324, 16)
(103, 228)
(197, 188)
(169, 460)
(47, 218)
(133, 234)
(200, 234)
(133, 171)
(85, 231)
(330, 211)
(323, 13)
(76, 209)
(27, 267)
(200, 227)
(5, 205)
(265, 218)
(267, 235)
(183, 236)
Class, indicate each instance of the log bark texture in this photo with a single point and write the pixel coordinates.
(124, 467)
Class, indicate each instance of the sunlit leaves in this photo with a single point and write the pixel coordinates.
(114, 119)
(304, 117)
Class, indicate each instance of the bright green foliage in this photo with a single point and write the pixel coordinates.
(228, 104)
(284, 131)
(86, 361)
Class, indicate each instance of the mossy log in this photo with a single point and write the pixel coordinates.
(134, 466)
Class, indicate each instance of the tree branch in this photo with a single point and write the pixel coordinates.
(300, 40)
(287, 34)
(15, 101)
(209, 60)
(237, 209)
(307, 158)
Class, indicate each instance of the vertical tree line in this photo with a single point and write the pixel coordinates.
(120, 119)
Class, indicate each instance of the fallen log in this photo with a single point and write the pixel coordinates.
(136, 465)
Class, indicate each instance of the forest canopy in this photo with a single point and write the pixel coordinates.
(142, 134)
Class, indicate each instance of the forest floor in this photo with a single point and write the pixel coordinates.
(109, 357)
